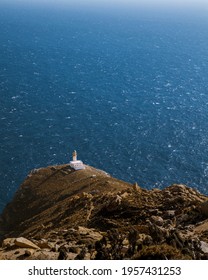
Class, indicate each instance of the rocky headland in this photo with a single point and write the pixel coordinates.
(60, 213)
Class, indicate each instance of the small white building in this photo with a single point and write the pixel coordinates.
(76, 164)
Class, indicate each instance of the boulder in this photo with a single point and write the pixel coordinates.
(204, 247)
(8, 243)
(89, 233)
(25, 243)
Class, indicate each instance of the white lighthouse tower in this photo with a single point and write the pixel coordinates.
(74, 156)
(76, 164)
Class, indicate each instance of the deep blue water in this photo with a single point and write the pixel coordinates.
(128, 92)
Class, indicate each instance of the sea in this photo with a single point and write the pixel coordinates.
(127, 89)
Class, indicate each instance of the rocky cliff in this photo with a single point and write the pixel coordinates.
(59, 213)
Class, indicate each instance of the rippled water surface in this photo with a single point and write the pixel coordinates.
(129, 93)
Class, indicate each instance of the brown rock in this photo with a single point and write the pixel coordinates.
(144, 239)
(204, 208)
(25, 243)
(8, 243)
(90, 233)
(44, 244)
(29, 252)
(204, 247)
(169, 214)
(157, 220)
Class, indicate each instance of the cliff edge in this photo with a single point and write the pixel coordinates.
(60, 213)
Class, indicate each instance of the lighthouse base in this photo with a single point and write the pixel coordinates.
(77, 164)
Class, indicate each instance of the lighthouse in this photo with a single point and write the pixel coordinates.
(76, 164)
(74, 156)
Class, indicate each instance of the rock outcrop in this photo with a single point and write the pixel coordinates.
(59, 213)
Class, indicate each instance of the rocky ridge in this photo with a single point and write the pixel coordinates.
(59, 213)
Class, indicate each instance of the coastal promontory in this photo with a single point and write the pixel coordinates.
(62, 213)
